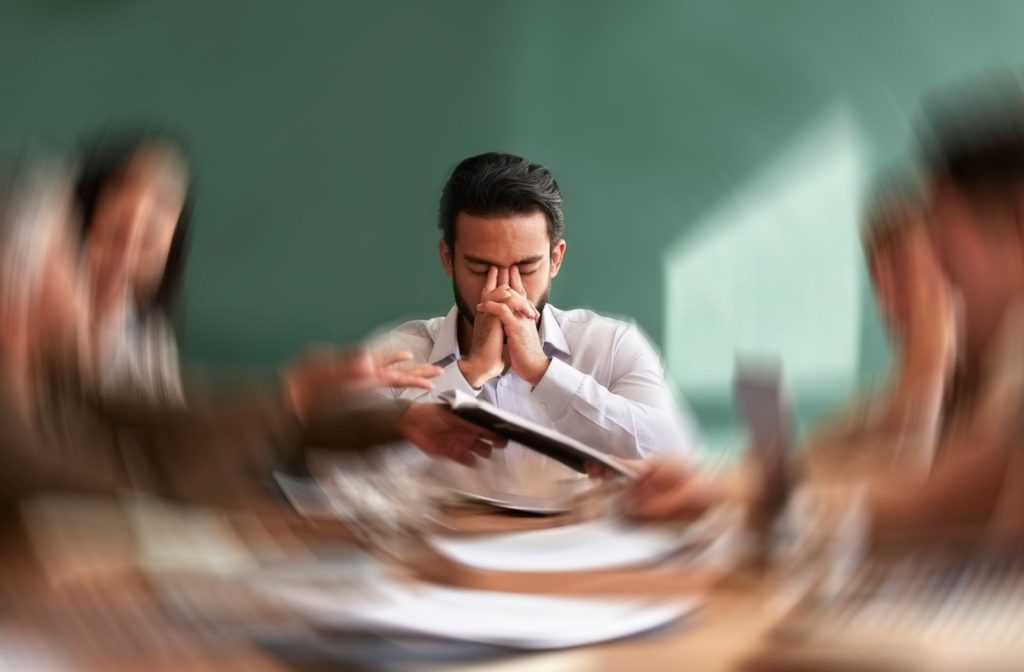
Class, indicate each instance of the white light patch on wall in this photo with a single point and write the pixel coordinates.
(775, 271)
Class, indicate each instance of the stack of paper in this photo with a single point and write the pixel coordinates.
(518, 621)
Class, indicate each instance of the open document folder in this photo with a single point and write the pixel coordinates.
(544, 440)
(389, 606)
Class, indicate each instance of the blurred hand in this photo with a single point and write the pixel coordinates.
(325, 372)
(439, 433)
(930, 320)
(601, 472)
(518, 315)
(666, 489)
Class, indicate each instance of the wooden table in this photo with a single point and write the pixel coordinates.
(720, 636)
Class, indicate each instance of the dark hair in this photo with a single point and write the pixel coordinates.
(106, 156)
(496, 185)
(974, 139)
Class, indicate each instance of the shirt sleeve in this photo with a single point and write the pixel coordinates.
(635, 416)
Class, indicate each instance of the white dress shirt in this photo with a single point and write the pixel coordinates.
(605, 387)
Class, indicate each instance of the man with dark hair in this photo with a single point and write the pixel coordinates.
(592, 377)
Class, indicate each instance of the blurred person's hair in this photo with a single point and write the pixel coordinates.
(500, 185)
(888, 212)
(105, 157)
(973, 137)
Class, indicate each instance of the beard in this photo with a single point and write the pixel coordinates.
(468, 312)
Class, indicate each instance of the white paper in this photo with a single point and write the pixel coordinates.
(502, 619)
(601, 544)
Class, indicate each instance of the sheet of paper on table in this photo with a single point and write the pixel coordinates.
(520, 621)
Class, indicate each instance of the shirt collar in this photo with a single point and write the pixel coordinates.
(446, 342)
(551, 336)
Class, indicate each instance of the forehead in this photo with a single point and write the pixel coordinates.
(504, 239)
(156, 168)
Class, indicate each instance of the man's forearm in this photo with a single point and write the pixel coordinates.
(353, 423)
(960, 496)
(619, 425)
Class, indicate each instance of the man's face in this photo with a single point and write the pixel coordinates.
(979, 247)
(519, 241)
(135, 222)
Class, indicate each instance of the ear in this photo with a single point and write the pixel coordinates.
(447, 258)
(557, 254)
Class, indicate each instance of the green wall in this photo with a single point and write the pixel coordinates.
(324, 130)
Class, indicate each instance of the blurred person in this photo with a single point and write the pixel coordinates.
(976, 198)
(134, 191)
(896, 430)
(42, 310)
(592, 377)
(57, 436)
(976, 215)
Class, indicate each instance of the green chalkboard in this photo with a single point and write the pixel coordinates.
(323, 132)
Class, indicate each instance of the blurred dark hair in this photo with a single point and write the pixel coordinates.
(974, 137)
(105, 156)
(498, 185)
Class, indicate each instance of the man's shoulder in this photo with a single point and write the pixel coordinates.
(585, 319)
(412, 334)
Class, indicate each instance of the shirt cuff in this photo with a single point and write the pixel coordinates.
(451, 378)
(559, 386)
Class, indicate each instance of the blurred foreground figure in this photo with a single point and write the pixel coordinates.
(58, 433)
(134, 192)
(896, 430)
(975, 204)
(976, 200)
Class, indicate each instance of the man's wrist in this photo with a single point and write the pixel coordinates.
(537, 371)
(475, 375)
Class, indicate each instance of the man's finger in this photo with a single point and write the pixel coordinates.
(392, 359)
(517, 303)
(463, 457)
(421, 370)
(598, 471)
(469, 429)
(482, 449)
(521, 305)
(496, 294)
(499, 310)
(400, 380)
(516, 280)
(505, 294)
(492, 280)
